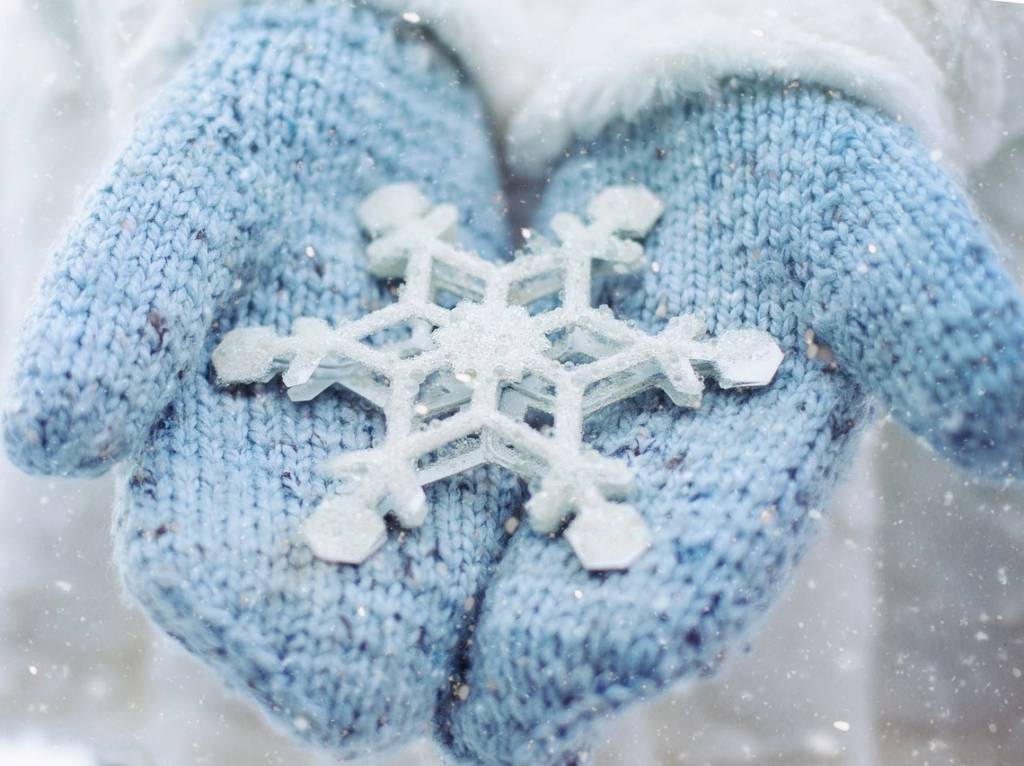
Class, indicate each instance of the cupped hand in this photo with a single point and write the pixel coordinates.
(825, 223)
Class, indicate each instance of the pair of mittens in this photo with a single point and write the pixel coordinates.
(812, 217)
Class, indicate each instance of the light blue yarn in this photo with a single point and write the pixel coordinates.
(291, 116)
(790, 210)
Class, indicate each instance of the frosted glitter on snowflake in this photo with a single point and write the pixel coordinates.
(463, 385)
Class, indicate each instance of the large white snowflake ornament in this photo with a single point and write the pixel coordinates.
(507, 376)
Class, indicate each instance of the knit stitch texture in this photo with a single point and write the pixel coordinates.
(235, 206)
(825, 223)
(787, 209)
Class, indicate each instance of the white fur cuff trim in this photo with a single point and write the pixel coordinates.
(623, 67)
(555, 70)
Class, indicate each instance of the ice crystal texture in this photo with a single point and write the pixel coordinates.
(506, 377)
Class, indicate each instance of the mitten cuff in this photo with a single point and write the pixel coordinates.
(557, 71)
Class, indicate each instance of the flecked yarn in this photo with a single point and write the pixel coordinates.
(824, 222)
(788, 208)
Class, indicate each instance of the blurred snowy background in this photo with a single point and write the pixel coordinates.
(901, 640)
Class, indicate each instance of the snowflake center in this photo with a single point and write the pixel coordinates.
(484, 337)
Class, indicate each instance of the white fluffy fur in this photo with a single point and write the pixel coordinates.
(553, 70)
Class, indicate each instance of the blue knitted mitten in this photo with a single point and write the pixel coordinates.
(825, 223)
(235, 206)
